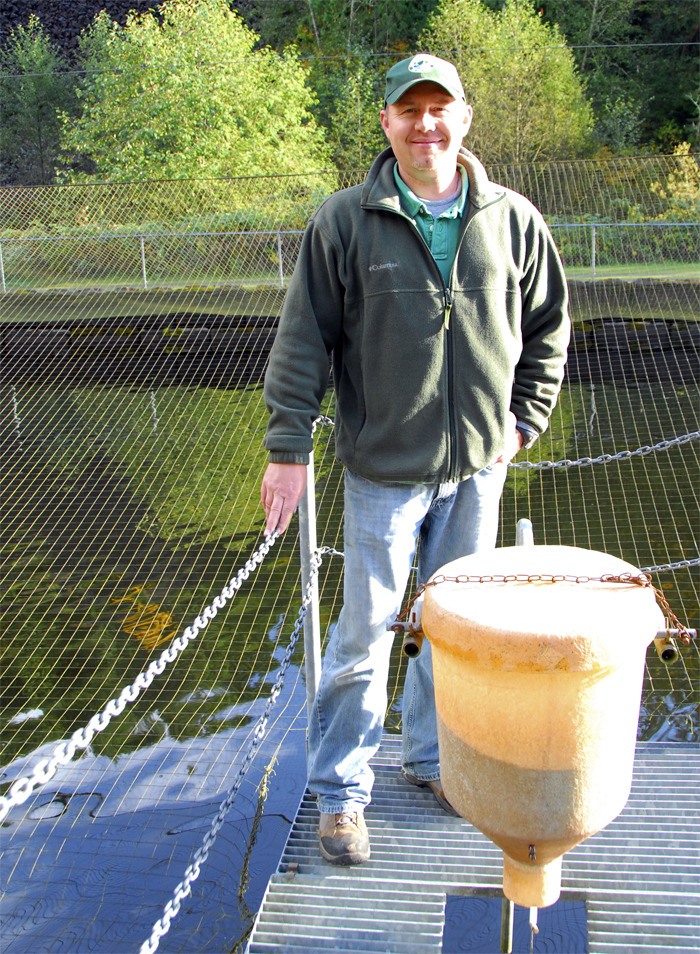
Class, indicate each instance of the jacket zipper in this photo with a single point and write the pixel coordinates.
(449, 301)
(452, 435)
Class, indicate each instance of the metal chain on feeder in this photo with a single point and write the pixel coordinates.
(638, 579)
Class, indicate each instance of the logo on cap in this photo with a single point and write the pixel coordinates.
(422, 64)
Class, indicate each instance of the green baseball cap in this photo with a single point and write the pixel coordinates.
(422, 68)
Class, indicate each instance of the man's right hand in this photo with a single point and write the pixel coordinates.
(282, 488)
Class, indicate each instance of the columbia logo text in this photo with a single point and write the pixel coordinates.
(383, 265)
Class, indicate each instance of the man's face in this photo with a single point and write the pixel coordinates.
(425, 129)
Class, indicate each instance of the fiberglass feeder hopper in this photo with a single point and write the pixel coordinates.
(538, 666)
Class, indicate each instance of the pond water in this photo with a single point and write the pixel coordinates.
(125, 512)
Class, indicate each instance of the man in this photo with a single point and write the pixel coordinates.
(442, 301)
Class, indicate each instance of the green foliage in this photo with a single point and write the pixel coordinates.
(187, 95)
(32, 90)
(529, 102)
(640, 53)
(618, 127)
(681, 190)
(350, 101)
(190, 91)
(342, 41)
(333, 26)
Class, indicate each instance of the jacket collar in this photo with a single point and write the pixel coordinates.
(380, 191)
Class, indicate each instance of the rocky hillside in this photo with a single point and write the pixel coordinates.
(64, 19)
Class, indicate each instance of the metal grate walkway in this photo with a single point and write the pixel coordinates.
(640, 877)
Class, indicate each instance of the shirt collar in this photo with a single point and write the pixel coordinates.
(414, 205)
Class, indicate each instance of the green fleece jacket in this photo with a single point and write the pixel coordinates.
(424, 374)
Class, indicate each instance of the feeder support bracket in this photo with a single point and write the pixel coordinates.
(408, 625)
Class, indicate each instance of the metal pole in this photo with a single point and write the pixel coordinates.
(154, 413)
(279, 260)
(2, 269)
(312, 620)
(143, 261)
(507, 909)
(524, 536)
(593, 250)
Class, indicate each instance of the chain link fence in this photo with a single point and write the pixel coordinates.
(149, 260)
(638, 215)
(267, 257)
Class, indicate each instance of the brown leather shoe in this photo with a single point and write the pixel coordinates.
(343, 838)
(435, 787)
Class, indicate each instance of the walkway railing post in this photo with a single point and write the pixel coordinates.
(142, 244)
(312, 620)
(280, 261)
(524, 534)
(524, 537)
(507, 916)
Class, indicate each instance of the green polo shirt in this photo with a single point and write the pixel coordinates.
(440, 232)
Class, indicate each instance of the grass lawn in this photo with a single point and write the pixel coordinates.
(233, 299)
(664, 271)
(32, 305)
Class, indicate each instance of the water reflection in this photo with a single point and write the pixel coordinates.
(114, 539)
(90, 866)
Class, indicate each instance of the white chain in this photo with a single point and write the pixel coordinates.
(322, 421)
(192, 872)
(664, 567)
(582, 461)
(64, 752)
(606, 458)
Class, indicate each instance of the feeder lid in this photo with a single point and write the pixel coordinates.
(540, 608)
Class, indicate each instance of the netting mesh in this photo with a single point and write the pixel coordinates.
(135, 325)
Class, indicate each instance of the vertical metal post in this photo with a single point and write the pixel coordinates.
(154, 413)
(507, 909)
(312, 620)
(143, 261)
(2, 269)
(524, 536)
(280, 265)
(15, 415)
(593, 251)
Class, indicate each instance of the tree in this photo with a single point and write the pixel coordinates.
(344, 43)
(187, 95)
(33, 87)
(639, 61)
(681, 190)
(600, 31)
(529, 101)
(350, 100)
(333, 26)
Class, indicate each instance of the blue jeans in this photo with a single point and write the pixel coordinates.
(384, 525)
